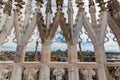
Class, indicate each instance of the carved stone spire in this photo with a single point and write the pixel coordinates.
(41, 1)
(91, 3)
(80, 4)
(1, 3)
(92, 8)
(70, 9)
(70, 12)
(20, 3)
(70, 16)
(116, 5)
(92, 11)
(48, 16)
(28, 9)
(59, 3)
(114, 8)
(48, 9)
(8, 7)
(101, 5)
(109, 6)
(19, 6)
(39, 5)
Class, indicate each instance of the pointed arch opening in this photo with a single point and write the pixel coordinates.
(85, 47)
(33, 49)
(8, 47)
(59, 47)
(111, 45)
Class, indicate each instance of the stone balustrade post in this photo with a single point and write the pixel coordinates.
(45, 60)
(44, 72)
(3, 72)
(58, 72)
(73, 72)
(88, 73)
(16, 72)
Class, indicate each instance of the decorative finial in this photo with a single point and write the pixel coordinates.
(28, 8)
(8, 7)
(70, 7)
(80, 4)
(113, 6)
(109, 4)
(48, 9)
(1, 3)
(101, 5)
(91, 2)
(19, 3)
(59, 3)
(116, 5)
(39, 3)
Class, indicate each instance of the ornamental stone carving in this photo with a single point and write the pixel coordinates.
(30, 73)
(88, 73)
(8, 7)
(58, 72)
(3, 71)
(28, 9)
(117, 72)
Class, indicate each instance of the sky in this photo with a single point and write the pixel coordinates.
(59, 40)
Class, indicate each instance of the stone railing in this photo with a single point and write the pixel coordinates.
(58, 70)
(113, 70)
(6, 70)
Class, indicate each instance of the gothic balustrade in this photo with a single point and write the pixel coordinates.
(6, 70)
(113, 70)
(44, 68)
(59, 70)
(31, 70)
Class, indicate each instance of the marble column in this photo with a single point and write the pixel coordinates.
(45, 59)
(20, 55)
(73, 72)
(101, 59)
(16, 72)
(44, 72)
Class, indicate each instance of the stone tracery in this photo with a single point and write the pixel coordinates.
(47, 31)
